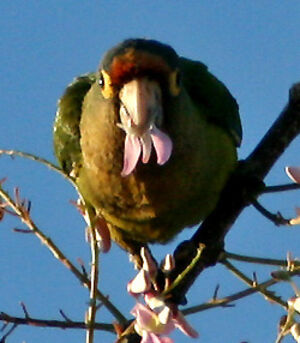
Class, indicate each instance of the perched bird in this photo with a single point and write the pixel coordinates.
(150, 140)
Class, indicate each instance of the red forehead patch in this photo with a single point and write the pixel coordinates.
(136, 63)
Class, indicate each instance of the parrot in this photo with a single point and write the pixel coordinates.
(149, 139)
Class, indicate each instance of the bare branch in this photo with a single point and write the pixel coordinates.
(261, 288)
(52, 166)
(3, 339)
(91, 314)
(277, 218)
(68, 324)
(25, 310)
(282, 188)
(225, 301)
(25, 217)
(259, 260)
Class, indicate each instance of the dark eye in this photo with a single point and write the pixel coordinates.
(101, 81)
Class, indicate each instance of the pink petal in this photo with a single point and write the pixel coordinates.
(146, 147)
(168, 263)
(140, 284)
(295, 303)
(295, 331)
(103, 231)
(166, 340)
(165, 315)
(132, 151)
(296, 220)
(146, 338)
(148, 263)
(149, 337)
(162, 145)
(182, 324)
(147, 320)
(144, 316)
(153, 301)
(293, 173)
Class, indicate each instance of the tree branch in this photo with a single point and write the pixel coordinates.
(38, 159)
(276, 218)
(260, 260)
(54, 323)
(91, 315)
(245, 184)
(267, 294)
(282, 188)
(18, 207)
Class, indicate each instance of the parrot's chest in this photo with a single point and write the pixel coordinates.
(155, 202)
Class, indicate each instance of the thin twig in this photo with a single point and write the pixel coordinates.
(185, 273)
(3, 339)
(27, 316)
(66, 318)
(221, 302)
(25, 217)
(259, 260)
(225, 301)
(281, 188)
(63, 324)
(91, 315)
(35, 158)
(277, 218)
(261, 288)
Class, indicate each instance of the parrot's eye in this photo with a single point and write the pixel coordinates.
(101, 81)
(104, 82)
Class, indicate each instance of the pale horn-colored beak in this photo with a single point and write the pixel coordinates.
(140, 111)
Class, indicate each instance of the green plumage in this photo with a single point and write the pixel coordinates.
(154, 202)
(212, 96)
(66, 127)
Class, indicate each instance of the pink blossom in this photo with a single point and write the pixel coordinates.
(149, 337)
(155, 318)
(136, 145)
(149, 321)
(293, 173)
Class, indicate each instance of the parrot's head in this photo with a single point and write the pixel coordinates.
(138, 74)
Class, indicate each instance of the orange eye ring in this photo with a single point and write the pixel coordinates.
(106, 85)
(174, 83)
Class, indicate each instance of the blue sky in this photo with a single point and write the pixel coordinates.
(252, 46)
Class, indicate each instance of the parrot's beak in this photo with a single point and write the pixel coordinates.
(141, 105)
(140, 112)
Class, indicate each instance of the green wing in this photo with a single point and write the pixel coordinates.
(66, 127)
(211, 94)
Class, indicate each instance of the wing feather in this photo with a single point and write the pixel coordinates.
(66, 132)
(207, 91)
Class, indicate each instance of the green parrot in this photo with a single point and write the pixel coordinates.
(149, 139)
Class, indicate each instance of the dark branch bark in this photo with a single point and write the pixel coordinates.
(245, 185)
